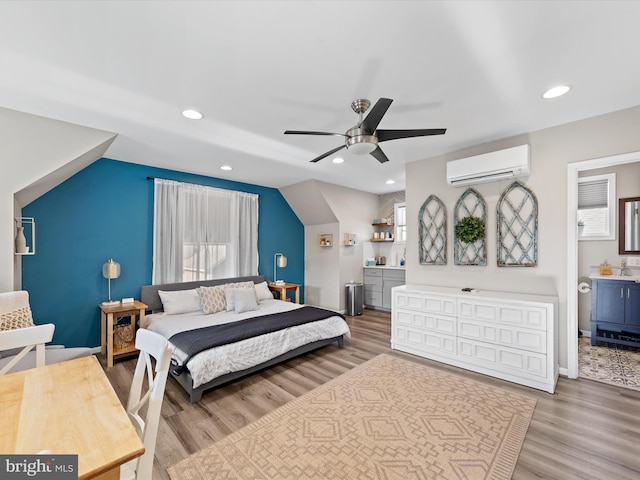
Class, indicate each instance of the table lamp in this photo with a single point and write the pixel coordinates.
(278, 262)
(110, 270)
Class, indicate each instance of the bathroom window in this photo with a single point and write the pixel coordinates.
(597, 207)
(400, 216)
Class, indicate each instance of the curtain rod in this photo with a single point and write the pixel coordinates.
(202, 185)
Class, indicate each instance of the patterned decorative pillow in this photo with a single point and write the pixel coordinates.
(19, 318)
(212, 299)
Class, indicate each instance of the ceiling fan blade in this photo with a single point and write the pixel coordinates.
(300, 132)
(370, 123)
(330, 152)
(379, 155)
(384, 135)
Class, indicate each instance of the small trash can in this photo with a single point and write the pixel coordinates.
(354, 297)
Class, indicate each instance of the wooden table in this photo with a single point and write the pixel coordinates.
(68, 408)
(283, 288)
(107, 313)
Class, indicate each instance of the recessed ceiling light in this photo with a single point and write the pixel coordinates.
(338, 160)
(192, 114)
(226, 167)
(390, 182)
(556, 91)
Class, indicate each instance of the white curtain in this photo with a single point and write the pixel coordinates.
(202, 233)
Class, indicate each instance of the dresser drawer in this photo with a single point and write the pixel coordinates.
(421, 303)
(515, 337)
(518, 362)
(425, 321)
(423, 342)
(504, 313)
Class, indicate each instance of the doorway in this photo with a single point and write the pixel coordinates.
(573, 170)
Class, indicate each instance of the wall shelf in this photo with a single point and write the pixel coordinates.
(349, 239)
(28, 225)
(326, 240)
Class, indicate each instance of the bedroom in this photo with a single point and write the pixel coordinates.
(99, 206)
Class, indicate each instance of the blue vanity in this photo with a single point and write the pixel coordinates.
(615, 309)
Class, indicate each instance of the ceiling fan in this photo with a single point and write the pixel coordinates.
(364, 138)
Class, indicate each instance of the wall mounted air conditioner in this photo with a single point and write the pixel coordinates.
(489, 167)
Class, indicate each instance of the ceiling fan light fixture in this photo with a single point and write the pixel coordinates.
(360, 144)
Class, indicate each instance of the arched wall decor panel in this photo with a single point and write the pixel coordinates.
(470, 204)
(432, 221)
(517, 223)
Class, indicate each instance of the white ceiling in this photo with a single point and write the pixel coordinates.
(256, 69)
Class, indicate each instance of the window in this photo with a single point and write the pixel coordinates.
(203, 233)
(400, 215)
(597, 207)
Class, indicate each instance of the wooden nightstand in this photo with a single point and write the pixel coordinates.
(283, 288)
(107, 314)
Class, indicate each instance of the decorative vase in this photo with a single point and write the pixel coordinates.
(21, 241)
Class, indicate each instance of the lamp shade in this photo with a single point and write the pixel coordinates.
(279, 260)
(111, 269)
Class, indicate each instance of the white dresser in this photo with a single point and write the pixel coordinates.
(511, 336)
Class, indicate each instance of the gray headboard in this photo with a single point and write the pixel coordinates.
(149, 293)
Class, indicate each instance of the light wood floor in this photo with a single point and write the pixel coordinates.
(586, 430)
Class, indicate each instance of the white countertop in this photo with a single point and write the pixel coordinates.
(628, 278)
(388, 267)
(479, 293)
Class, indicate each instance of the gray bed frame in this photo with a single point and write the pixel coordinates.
(149, 296)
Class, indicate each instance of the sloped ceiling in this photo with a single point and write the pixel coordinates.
(258, 68)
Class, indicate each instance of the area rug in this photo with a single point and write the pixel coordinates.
(386, 419)
(609, 363)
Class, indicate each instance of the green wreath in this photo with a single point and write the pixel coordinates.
(470, 229)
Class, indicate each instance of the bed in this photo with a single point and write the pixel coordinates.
(213, 345)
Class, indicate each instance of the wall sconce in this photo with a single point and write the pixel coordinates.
(278, 262)
(110, 270)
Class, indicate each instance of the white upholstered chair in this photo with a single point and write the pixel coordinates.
(150, 345)
(17, 345)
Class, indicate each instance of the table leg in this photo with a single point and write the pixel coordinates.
(141, 321)
(109, 340)
(103, 333)
(297, 294)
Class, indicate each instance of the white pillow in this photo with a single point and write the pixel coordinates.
(244, 300)
(263, 292)
(180, 301)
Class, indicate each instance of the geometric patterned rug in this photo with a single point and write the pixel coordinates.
(609, 363)
(387, 419)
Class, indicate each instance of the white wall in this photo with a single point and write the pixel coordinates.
(321, 267)
(551, 150)
(326, 208)
(355, 211)
(36, 154)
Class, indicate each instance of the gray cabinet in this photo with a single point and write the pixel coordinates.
(378, 283)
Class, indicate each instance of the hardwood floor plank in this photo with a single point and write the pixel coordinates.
(586, 430)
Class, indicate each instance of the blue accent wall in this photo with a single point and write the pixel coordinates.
(106, 211)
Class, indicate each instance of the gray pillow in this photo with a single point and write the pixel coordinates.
(244, 300)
